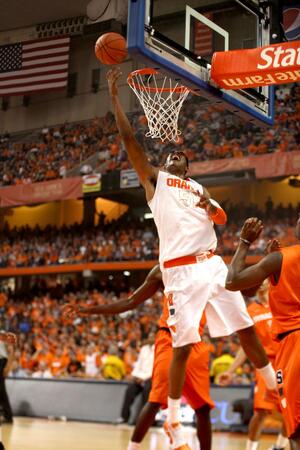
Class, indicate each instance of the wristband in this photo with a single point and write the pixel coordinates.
(245, 241)
(219, 217)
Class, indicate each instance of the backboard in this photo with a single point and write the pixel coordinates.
(179, 37)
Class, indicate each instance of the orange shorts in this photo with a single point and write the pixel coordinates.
(196, 385)
(263, 398)
(288, 375)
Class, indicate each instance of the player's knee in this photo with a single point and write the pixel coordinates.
(203, 413)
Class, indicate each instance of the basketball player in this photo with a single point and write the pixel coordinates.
(196, 385)
(264, 402)
(194, 278)
(283, 269)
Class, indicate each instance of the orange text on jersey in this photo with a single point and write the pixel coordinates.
(177, 183)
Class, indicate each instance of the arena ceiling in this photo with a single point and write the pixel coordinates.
(23, 13)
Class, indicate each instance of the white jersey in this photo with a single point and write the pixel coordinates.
(183, 228)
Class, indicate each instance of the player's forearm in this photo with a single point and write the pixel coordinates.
(111, 308)
(236, 267)
(239, 360)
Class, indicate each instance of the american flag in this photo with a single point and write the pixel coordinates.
(34, 66)
(203, 37)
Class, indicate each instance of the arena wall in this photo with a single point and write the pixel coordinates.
(56, 108)
(101, 401)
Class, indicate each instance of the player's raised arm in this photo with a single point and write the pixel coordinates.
(241, 277)
(146, 172)
(151, 284)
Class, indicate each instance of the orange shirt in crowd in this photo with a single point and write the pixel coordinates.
(262, 318)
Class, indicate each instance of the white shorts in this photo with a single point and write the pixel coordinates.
(194, 288)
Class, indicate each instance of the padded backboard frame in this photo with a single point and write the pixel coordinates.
(155, 51)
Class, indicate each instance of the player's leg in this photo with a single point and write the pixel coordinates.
(255, 429)
(203, 423)
(177, 376)
(197, 392)
(144, 422)
(187, 289)
(158, 396)
(288, 370)
(295, 440)
(226, 313)
(281, 441)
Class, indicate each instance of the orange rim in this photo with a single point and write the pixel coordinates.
(150, 71)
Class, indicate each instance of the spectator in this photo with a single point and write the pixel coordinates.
(113, 366)
(221, 364)
(141, 379)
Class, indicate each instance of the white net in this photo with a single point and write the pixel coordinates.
(161, 99)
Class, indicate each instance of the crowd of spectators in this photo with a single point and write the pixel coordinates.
(131, 239)
(208, 132)
(98, 347)
(121, 240)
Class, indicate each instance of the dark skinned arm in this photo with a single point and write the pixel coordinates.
(218, 215)
(152, 283)
(241, 277)
(146, 172)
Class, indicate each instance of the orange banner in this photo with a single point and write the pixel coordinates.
(265, 166)
(46, 191)
(263, 66)
(95, 267)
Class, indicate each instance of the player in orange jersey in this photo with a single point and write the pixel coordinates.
(283, 269)
(196, 386)
(265, 402)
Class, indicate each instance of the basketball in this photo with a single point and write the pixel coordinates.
(110, 48)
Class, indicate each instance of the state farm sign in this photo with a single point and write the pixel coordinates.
(273, 64)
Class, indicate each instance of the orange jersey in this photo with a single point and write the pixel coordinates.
(162, 322)
(262, 318)
(284, 297)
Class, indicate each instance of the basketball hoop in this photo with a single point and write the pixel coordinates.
(161, 99)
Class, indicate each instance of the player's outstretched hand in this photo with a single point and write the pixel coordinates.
(70, 311)
(112, 77)
(224, 378)
(8, 338)
(273, 245)
(251, 229)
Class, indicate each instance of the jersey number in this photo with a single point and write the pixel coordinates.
(279, 376)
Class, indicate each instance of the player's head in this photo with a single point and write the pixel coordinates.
(177, 163)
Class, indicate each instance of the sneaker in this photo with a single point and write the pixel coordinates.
(175, 435)
(119, 421)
